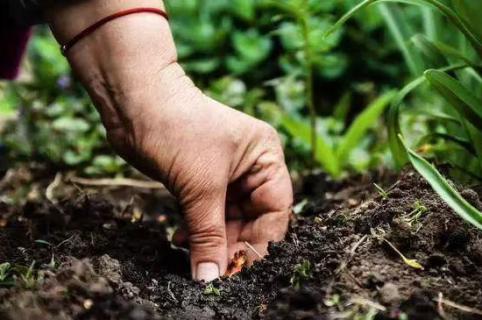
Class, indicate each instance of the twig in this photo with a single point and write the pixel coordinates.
(49, 192)
(171, 293)
(457, 306)
(365, 302)
(253, 249)
(345, 263)
(440, 307)
(118, 182)
(65, 241)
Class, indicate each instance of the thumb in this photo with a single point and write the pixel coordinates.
(206, 226)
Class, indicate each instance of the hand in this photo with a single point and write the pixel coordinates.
(226, 169)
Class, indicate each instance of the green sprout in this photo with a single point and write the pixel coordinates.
(211, 290)
(28, 276)
(4, 271)
(383, 193)
(333, 301)
(301, 272)
(413, 218)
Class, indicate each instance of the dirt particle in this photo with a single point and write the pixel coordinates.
(389, 294)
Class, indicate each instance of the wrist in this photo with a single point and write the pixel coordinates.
(118, 63)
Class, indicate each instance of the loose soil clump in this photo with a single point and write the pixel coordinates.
(350, 253)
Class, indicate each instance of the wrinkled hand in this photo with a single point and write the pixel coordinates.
(227, 170)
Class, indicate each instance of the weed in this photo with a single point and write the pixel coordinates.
(4, 271)
(413, 217)
(211, 290)
(301, 272)
(452, 68)
(382, 192)
(28, 276)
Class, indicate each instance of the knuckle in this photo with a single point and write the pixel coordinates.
(207, 236)
(271, 138)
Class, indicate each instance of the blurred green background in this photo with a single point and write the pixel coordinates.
(273, 60)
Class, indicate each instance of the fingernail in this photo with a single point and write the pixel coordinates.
(207, 271)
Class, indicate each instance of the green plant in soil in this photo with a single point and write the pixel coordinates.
(447, 57)
(413, 217)
(29, 278)
(301, 272)
(211, 290)
(5, 269)
(266, 58)
(382, 192)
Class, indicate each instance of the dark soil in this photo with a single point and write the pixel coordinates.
(94, 258)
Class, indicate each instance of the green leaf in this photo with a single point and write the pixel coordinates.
(364, 121)
(455, 201)
(460, 141)
(460, 98)
(324, 153)
(399, 28)
(429, 23)
(429, 50)
(71, 124)
(40, 241)
(469, 11)
(393, 125)
(452, 16)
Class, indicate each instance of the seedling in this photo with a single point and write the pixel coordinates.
(333, 301)
(383, 193)
(211, 290)
(410, 262)
(4, 271)
(413, 217)
(28, 276)
(301, 272)
(43, 242)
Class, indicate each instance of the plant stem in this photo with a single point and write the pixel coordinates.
(304, 22)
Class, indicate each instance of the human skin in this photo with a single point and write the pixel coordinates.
(226, 168)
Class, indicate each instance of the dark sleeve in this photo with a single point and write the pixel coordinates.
(16, 17)
(22, 12)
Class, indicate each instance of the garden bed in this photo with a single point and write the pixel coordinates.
(96, 258)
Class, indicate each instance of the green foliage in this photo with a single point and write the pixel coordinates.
(211, 290)
(464, 209)
(382, 192)
(451, 127)
(301, 272)
(266, 58)
(4, 271)
(56, 122)
(333, 151)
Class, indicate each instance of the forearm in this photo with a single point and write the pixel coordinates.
(119, 61)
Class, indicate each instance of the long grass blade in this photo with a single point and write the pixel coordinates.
(324, 153)
(464, 209)
(451, 15)
(397, 149)
(429, 51)
(397, 24)
(460, 141)
(460, 98)
(365, 120)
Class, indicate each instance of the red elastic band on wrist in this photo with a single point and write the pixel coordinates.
(65, 47)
